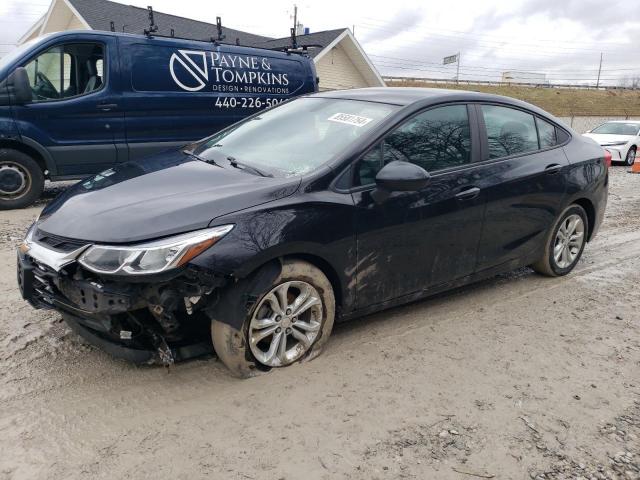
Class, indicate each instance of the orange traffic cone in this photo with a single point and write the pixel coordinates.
(635, 168)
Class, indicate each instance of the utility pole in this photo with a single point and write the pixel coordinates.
(295, 18)
(599, 70)
(458, 70)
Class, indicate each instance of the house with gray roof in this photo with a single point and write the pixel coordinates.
(340, 60)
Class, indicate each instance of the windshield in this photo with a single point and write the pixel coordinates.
(18, 51)
(297, 137)
(617, 129)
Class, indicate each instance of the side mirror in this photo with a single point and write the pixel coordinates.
(399, 176)
(15, 90)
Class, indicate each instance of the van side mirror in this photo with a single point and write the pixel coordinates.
(399, 176)
(15, 90)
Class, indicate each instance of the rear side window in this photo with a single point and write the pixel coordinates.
(546, 133)
(509, 131)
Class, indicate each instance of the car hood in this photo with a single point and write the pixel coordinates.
(162, 195)
(608, 139)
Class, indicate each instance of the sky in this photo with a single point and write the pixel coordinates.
(561, 38)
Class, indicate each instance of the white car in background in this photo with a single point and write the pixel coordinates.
(619, 137)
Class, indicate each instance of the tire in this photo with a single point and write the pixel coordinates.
(631, 156)
(21, 179)
(549, 264)
(246, 357)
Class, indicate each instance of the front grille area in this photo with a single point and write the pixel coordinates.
(57, 243)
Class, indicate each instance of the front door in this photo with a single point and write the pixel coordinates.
(410, 241)
(75, 112)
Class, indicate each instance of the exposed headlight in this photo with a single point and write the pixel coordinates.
(613, 144)
(151, 257)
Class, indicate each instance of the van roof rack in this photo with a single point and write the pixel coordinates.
(153, 28)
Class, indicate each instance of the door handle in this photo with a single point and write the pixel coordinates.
(105, 107)
(468, 194)
(553, 168)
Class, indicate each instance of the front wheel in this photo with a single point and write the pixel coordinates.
(631, 156)
(565, 243)
(291, 322)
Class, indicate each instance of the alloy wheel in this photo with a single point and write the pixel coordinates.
(285, 323)
(631, 157)
(568, 241)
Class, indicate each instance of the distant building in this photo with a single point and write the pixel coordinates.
(524, 77)
(340, 61)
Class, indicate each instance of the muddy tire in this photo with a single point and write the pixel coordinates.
(289, 323)
(21, 179)
(564, 244)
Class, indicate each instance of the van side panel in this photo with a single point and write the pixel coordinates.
(179, 91)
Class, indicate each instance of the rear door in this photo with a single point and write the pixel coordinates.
(75, 112)
(525, 181)
(410, 241)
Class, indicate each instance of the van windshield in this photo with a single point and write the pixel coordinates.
(19, 51)
(296, 137)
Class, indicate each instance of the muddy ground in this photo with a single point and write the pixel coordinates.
(519, 376)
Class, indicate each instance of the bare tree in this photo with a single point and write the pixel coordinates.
(630, 82)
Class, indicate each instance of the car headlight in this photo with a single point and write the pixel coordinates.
(151, 257)
(614, 144)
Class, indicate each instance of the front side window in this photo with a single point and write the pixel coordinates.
(509, 131)
(66, 71)
(297, 137)
(437, 139)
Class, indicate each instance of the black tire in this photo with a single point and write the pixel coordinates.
(21, 179)
(547, 264)
(232, 346)
(631, 156)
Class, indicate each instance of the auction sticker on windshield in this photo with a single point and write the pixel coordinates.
(349, 119)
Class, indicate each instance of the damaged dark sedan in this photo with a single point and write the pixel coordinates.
(252, 242)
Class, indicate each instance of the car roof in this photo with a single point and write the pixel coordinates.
(408, 95)
(636, 122)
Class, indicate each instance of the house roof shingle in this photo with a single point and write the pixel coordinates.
(100, 13)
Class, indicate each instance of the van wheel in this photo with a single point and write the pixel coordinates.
(21, 179)
(565, 243)
(291, 322)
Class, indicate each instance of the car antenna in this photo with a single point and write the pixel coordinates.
(153, 28)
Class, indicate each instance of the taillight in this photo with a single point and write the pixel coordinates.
(607, 158)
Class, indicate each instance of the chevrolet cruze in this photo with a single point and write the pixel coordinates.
(254, 241)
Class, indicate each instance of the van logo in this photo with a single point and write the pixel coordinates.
(195, 74)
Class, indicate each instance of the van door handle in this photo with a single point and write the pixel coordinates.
(105, 107)
(468, 194)
(553, 168)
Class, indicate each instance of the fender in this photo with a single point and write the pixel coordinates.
(44, 153)
(234, 304)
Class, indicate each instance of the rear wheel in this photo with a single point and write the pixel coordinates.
(21, 179)
(631, 156)
(565, 243)
(291, 322)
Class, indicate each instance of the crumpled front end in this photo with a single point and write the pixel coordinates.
(146, 319)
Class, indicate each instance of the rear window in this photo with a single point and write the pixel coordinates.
(617, 128)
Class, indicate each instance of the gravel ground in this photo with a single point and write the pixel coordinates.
(519, 376)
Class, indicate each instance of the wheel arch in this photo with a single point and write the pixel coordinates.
(30, 150)
(590, 210)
